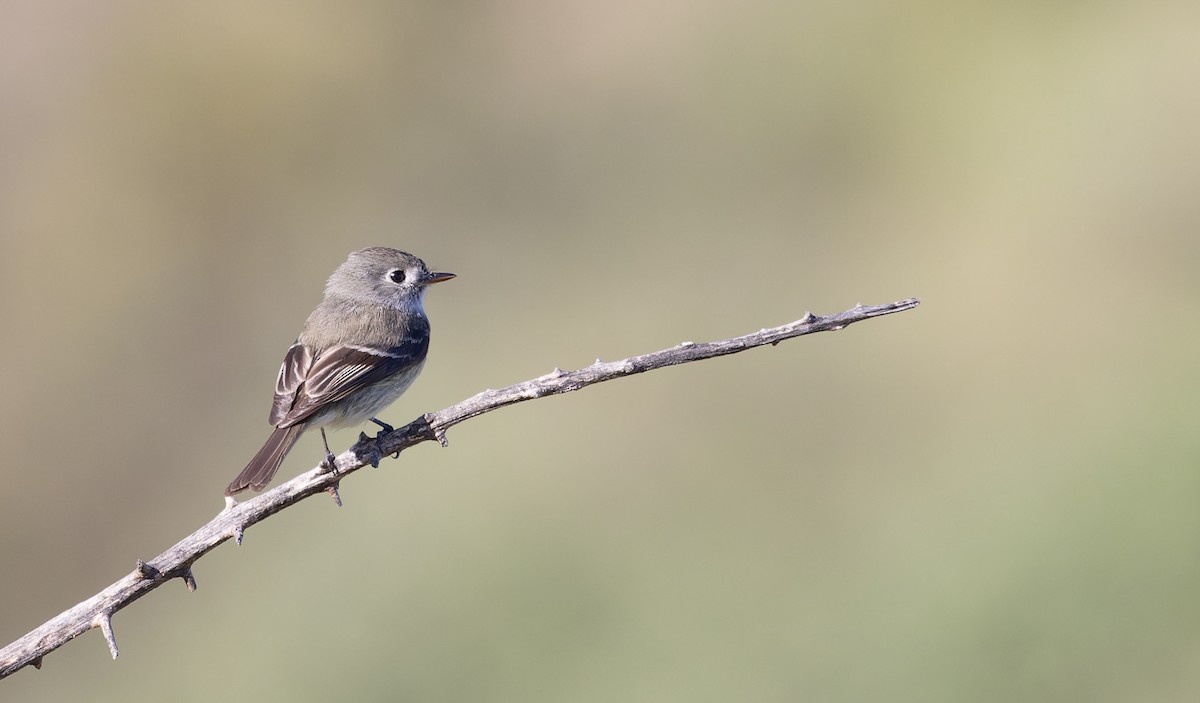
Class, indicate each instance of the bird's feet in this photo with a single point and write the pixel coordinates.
(329, 463)
(386, 430)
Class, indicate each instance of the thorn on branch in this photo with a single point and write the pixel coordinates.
(333, 493)
(37, 663)
(237, 533)
(104, 622)
(146, 571)
(189, 580)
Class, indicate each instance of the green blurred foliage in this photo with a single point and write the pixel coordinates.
(990, 498)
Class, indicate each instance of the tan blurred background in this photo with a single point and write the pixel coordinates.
(991, 498)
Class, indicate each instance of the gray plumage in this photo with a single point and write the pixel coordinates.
(361, 348)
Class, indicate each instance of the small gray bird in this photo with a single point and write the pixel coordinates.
(359, 351)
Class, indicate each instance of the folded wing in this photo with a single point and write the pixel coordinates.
(308, 382)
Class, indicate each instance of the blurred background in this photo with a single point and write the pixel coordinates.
(990, 498)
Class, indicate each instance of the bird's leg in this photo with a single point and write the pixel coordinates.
(330, 462)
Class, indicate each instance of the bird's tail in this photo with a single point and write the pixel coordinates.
(261, 469)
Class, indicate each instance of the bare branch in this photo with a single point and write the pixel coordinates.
(235, 518)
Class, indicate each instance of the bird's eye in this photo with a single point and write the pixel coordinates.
(397, 275)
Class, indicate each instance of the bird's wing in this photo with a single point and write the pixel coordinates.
(308, 383)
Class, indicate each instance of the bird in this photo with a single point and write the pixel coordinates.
(359, 350)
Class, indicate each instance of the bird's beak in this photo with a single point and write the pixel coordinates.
(437, 277)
